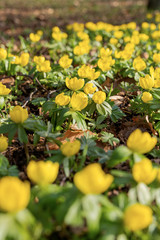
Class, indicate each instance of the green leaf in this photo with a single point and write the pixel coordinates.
(38, 101)
(119, 155)
(92, 212)
(79, 120)
(66, 166)
(137, 76)
(74, 214)
(109, 137)
(121, 177)
(3, 162)
(104, 108)
(143, 193)
(110, 74)
(22, 135)
(116, 113)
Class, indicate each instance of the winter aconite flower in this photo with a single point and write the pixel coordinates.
(144, 172)
(141, 142)
(24, 59)
(146, 82)
(42, 173)
(147, 97)
(70, 148)
(44, 66)
(65, 61)
(139, 64)
(14, 194)
(92, 179)
(89, 88)
(88, 72)
(79, 101)
(34, 37)
(62, 99)
(18, 114)
(4, 90)
(156, 57)
(99, 97)
(137, 217)
(105, 64)
(3, 54)
(3, 143)
(74, 83)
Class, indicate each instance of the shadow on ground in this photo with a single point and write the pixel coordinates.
(21, 17)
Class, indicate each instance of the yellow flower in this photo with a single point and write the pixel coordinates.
(131, 25)
(127, 39)
(59, 36)
(74, 83)
(24, 59)
(145, 25)
(42, 173)
(141, 142)
(155, 74)
(77, 27)
(144, 172)
(158, 46)
(39, 59)
(147, 82)
(143, 37)
(113, 41)
(70, 148)
(139, 64)
(56, 29)
(65, 61)
(147, 97)
(98, 38)
(3, 53)
(105, 63)
(104, 53)
(18, 114)
(99, 97)
(89, 88)
(62, 99)
(82, 35)
(34, 37)
(88, 72)
(149, 15)
(4, 143)
(152, 26)
(79, 101)
(135, 40)
(137, 217)
(15, 60)
(3, 90)
(126, 54)
(156, 57)
(118, 34)
(92, 179)
(14, 194)
(82, 48)
(44, 66)
(40, 32)
(91, 26)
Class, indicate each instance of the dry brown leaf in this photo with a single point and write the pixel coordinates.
(71, 135)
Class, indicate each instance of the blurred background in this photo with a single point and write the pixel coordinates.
(23, 16)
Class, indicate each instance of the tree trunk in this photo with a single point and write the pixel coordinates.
(153, 4)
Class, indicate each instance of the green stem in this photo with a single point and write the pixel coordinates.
(69, 122)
